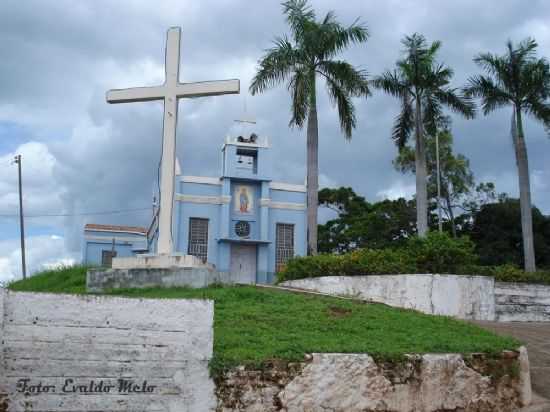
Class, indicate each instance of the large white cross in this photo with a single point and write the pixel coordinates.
(170, 92)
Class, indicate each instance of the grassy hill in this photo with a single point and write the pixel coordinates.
(254, 325)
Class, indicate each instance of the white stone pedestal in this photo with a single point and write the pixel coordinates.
(154, 271)
(149, 261)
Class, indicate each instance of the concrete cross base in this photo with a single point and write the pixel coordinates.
(146, 261)
(101, 279)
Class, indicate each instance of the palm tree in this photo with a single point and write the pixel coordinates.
(311, 53)
(520, 79)
(422, 85)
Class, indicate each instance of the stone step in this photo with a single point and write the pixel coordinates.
(507, 298)
(519, 312)
(538, 404)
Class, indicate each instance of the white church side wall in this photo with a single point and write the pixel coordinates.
(464, 297)
(69, 353)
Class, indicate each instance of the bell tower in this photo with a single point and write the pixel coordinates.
(245, 155)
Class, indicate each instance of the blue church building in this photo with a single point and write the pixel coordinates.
(242, 222)
(102, 243)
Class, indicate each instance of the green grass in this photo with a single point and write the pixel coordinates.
(70, 279)
(254, 325)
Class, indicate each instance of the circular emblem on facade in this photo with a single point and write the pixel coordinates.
(242, 228)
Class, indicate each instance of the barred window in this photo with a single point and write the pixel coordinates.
(198, 238)
(284, 244)
(107, 257)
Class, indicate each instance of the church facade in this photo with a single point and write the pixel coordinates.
(242, 222)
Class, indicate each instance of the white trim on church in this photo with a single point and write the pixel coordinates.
(287, 187)
(212, 200)
(202, 180)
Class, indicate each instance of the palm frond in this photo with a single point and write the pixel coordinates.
(492, 64)
(434, 48)
(419, 58)
(414, 43)
(275, 66)
(330, 18)
(350, 79)
(431, 114)
(439, 75)
(300, 88)
(540, 110)
(492, 96)
(330, 37)
(392, 83)
(524, 51)
(346, 110)
(535, 80)
(404, 122)
(298, 13)
(457, 102)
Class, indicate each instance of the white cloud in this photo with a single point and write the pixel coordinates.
(398, 189)
(42, 252)
(41, 192)
(326, 182)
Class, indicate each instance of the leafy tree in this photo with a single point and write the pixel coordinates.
(519, 79)
(456, 177)
(422, 86)
(310, 54)
(497, 233)
(361, 224)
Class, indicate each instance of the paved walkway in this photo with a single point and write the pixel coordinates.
(536, 336)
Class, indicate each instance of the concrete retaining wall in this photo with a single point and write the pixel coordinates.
(100, 280)
(355, 382)
(522, 302)
(464, 297)
(88, 353)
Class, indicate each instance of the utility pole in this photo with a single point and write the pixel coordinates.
(439, 224)
(21, 219)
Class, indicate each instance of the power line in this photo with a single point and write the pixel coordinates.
(105, 212)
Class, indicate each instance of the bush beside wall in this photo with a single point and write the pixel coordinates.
(436, 253)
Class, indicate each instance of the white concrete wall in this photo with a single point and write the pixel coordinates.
(464, 297)
(51, 339)
(522, 302)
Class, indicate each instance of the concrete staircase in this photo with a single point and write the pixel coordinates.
(522, 302)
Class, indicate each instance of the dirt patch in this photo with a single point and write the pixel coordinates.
(3, 402)
(242, 388)
(338, 312)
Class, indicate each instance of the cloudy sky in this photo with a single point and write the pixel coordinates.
(81, 155)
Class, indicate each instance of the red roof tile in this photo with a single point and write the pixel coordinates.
(114, 228)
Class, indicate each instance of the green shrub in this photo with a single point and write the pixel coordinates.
(379, 262)
(507, 273)
(435, 253)
(357, 263)
(440, 253)
(313, 266)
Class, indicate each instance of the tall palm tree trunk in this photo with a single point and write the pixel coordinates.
(524, 194)
(421, 173)
(451, 213)
(312, 173)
